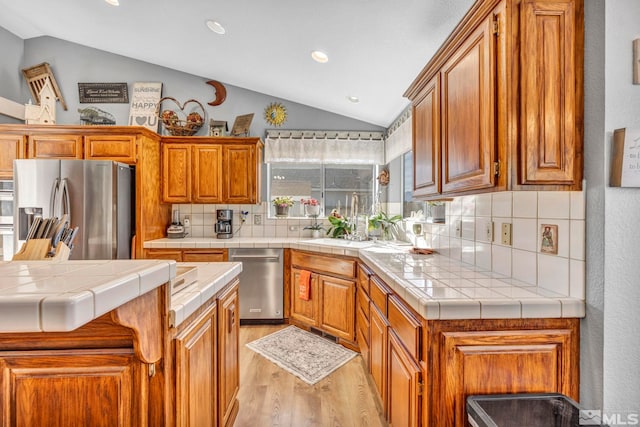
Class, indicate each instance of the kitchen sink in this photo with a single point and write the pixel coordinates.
(356, 244)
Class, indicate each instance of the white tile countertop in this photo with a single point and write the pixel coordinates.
(46, 296)
(435, 286)
(211, 278)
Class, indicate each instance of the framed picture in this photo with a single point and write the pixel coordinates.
(549, 238)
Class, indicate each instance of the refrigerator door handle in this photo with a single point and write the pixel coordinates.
(53, 203)
(64, 198)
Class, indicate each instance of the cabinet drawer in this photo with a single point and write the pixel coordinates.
(379, 293)
(406, 326)
(363, 303)
(363, 279)
(203, 256)
(174, 254)
(325, 264)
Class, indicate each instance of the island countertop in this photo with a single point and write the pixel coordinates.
(435, 286)
(46, 296)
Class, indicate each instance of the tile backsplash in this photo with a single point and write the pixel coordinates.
(471, 234)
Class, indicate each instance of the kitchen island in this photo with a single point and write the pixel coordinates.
(91, 343)
(431, 330)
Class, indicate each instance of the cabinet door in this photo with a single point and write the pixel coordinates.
(337, 315)
(426, 140)
(468, 113)
(378, 352)
(196, 372)
(551, 93)
(239, 174)
(496, 362)
(207, 174)
(55, 147)
(305, 311)
(203, 255)
(174, 254)
(11, 147)
(363, 326)
(404, 386)
(176, 173)
(228, 342)
(61, 388)
(120, 148)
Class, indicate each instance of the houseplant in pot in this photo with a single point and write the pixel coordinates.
(311, 207)
(340, 227)
(282, 204)
(381, 225)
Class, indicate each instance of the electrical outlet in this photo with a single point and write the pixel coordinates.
(506, 233)
(489, 231)
(257, 219)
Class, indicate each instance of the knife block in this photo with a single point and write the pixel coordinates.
(38, 249)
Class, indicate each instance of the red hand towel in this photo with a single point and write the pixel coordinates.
(304, 284)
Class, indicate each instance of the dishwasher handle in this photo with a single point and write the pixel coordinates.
(269, 258)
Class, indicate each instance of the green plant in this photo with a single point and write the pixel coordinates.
(339, 226)
(383, 222)
(283, 201)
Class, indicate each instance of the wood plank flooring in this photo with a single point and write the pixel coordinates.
(270, 396)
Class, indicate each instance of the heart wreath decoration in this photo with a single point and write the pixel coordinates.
(177, 126)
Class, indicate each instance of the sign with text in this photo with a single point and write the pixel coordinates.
(144, 101)
(625, 158)
(105, 93)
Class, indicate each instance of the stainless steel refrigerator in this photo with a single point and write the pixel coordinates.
(97, 195)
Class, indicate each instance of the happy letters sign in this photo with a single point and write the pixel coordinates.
(144, 100)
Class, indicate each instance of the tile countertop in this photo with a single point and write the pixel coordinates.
(435, 286)
(212, 277)
(46, 296)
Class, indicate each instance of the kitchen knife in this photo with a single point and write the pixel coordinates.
(34, 227)
(57, 233)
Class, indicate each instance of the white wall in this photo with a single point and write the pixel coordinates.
(12, 48)
(621, 374)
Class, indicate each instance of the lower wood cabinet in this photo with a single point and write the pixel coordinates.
(72, 388)
(187, 255)
(331, 302)
(228, 355)
(404, 388)
(196, 363)
(378, 337)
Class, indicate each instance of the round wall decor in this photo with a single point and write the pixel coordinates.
(275, 114)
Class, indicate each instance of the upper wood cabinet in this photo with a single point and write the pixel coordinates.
(500, 105)
(121, 148)
(12, 147)
(56, 146)
(211, 170)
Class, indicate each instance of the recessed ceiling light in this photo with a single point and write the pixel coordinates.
(353, 99)
(319, 56)
(113, 2)
(216, 27)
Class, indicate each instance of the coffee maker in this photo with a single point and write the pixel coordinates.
(224, 224)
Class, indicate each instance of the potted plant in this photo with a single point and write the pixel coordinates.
(282, 204)
(311, 206)
(436, 211)
(339, 225)
(315, 228)
(381, 224)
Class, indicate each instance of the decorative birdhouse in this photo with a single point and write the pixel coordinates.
(45, 113)
(218, 128)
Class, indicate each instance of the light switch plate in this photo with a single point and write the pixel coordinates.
(257, 219)
(506, 233)
(489, 231)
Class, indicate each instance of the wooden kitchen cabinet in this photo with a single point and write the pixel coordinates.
(55, 146)
(405, 385)
(211, 170)
(426, 140)
(12, 147)
(228, 355)
(78, 387)
(468, 113)
(332, 302)
(196, 363)
(119, 148)
(378, 338)
(187, 255)
(509, 102)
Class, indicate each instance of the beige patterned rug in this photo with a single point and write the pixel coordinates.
(303, 354)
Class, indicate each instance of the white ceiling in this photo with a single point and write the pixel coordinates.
(376, 47)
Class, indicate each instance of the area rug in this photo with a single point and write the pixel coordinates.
(303, 354)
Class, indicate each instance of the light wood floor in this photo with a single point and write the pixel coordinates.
(270, 396)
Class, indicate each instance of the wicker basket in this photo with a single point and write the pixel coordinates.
(176, 126)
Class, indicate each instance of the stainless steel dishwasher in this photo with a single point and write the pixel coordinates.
(261, 284)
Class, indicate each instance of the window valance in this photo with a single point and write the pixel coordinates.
(329, 147)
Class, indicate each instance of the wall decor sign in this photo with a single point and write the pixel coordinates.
(144, 101)
(105, 93)
(241, 125)
(549, 243)
(625, 158)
